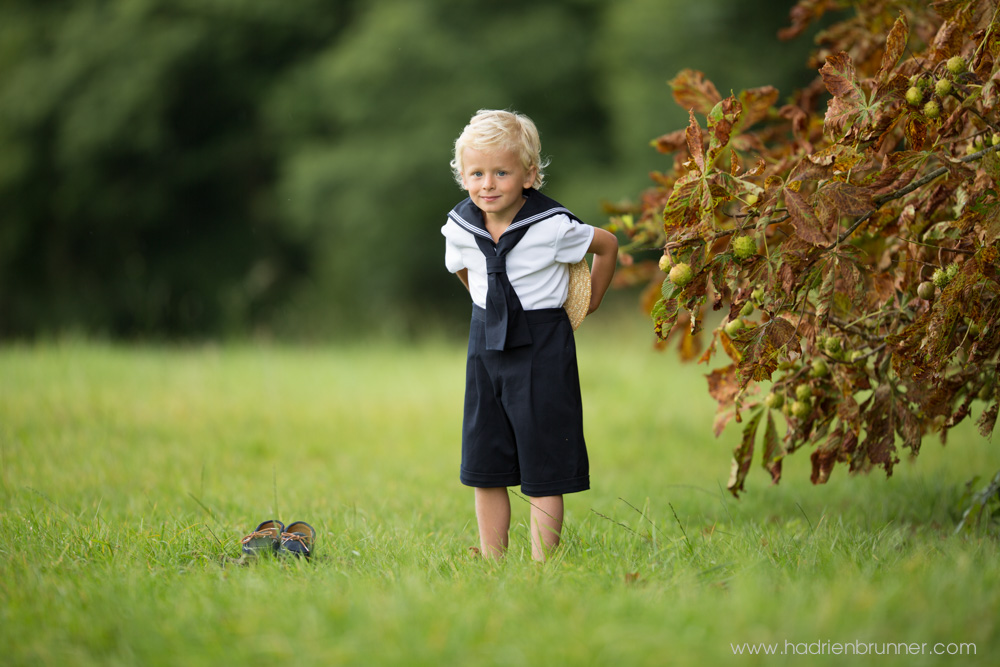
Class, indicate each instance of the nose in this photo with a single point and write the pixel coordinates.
(488, 182)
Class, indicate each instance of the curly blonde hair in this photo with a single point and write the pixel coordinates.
(492, 129)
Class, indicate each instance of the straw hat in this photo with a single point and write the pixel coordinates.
(578, 301)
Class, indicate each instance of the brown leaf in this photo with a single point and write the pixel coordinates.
(683, 208)
(916, 133)
(801, 16)
(722, 417)
(879, 447)
(722, 385)
(947, 41)
(799, 119)
(672, 142)
(774, 453)
(839, 115)
(848, 199)
(743, 455)
(804, 219)
(760, 347)
(839, 76)
(895, 44)
(694, 140)
(721, 120)
(756, 105)
(693, 92)
(988, 421)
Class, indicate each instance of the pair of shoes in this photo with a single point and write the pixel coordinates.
(271, 536)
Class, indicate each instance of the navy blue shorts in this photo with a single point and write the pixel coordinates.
(523, 420)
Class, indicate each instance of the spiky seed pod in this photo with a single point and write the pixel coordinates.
(832, 345)
(733, 327)
(681, 274)
(801, 409)
(744, 248)
(819, 369)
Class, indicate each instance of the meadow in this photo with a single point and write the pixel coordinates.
(128, 475)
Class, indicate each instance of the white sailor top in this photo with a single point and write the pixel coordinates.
(537, 267)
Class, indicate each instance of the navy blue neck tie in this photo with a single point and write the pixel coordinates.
(506, 324)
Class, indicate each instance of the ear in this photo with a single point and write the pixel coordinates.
(529, 177)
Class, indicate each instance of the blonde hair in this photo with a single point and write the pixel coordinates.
(491, 130)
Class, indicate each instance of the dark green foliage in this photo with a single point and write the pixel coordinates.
(206, 167)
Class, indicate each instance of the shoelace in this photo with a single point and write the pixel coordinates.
(301, 539)
(270, 533)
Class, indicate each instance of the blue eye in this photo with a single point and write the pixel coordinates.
(501, 173)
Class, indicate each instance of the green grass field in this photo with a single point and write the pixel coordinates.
(129, 474)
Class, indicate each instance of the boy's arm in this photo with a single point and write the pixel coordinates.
(604, 246)
(463, 275)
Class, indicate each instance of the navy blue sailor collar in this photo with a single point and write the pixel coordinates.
(536, 207)
(506, 323)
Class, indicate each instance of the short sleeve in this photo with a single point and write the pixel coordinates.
(452, 251)
(573, 239)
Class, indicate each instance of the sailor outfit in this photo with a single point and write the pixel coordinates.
(523, 418)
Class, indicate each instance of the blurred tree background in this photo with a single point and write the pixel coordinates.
(224, 168)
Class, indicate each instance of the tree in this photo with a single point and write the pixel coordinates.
(848, 238)
(134, 182)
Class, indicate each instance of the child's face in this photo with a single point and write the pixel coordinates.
(495, 181)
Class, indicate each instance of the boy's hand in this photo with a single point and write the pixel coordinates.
(604, 246)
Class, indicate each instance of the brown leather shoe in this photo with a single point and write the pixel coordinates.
(265, 539)
(298, 540)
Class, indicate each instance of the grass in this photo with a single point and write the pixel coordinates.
(128, 475)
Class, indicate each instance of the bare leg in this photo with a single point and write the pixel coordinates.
(546, 525)
(493, 515)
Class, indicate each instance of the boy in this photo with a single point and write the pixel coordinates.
(511, 247)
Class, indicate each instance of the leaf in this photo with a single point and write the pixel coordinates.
(804, 219)
(760, 347)
(915, 131)
(724, 116)
(840, 77)
(743, 455)
(848, 199)
(988, 421)
(895, 45)
(671, 142)
(756, 104)
(722, 385)
(693, 92)
(664, 317)
(695, 144)
(683, 208)
(774, 453)
(880, 417)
